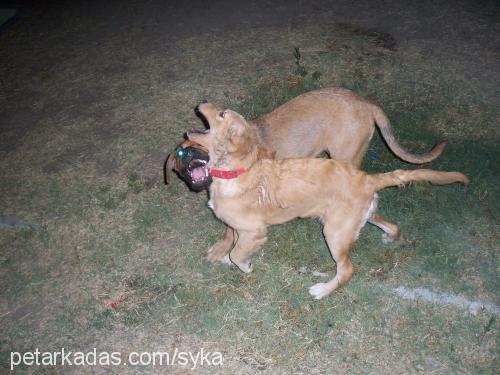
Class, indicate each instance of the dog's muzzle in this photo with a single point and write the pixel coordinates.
(193, 169)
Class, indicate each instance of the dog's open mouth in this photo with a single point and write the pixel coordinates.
(198, 171)
(192, 168)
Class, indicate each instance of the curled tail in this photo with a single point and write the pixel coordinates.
(402, 177)
(385, 128)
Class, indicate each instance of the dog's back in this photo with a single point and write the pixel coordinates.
(284, 189)
(311, 123)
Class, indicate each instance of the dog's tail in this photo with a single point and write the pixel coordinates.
(385, 128)
(401, 177)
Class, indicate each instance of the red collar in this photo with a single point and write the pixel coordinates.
(227, 175)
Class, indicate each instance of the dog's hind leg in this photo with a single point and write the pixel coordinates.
(391, 230)
(349, 148)
(340, 236)
(219, 250)
(246, 245)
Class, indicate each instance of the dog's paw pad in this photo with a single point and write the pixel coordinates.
(319, 290)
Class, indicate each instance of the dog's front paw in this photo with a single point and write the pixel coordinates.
(218, 253)
(319, 290)
(245, 266)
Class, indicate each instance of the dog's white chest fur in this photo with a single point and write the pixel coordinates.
(222, 189)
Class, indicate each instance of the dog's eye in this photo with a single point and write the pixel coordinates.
(184, 153)
(222, 114)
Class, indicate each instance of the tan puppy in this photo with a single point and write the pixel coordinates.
(331, 119)
(250, 193)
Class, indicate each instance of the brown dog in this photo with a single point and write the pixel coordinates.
(332, 119)
(189, 160)
(250, 193)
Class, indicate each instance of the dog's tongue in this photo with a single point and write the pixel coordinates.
(198, 173)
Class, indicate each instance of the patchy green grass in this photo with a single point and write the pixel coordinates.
(117, 260)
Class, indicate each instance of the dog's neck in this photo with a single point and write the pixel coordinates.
(232, 164)
(245, 158)
(235, 163)
(232, 161)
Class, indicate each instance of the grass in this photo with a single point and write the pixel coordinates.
(117, 260)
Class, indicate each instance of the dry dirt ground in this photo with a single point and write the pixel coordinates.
(94, 94)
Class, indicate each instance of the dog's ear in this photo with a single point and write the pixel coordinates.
(168, 167)
(237, 129)
(237, 134)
